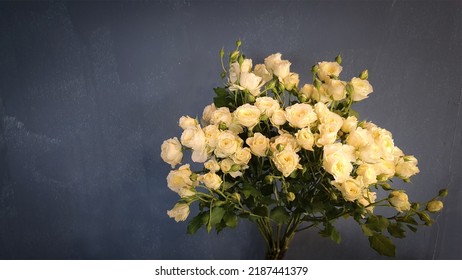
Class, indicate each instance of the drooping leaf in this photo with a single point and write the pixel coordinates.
(377, 223)
(230, 219)
(279, 215)
(197, 222)
(220, 92)
(383, 245)
(216, 215)
(366, 230)
(396, 230)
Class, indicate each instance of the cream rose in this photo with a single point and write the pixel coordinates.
(180, 212)
(286, 161)
(385, 169)
(211, 180)
(267, 105)
(407, 167)
(361, 89)
(308, 91)
(178, 179)
(305, 139)
(300, 115)
(327, 69)
(227, 144)
(226, 165)
(212, 165)
(336, 89)
(278, 118)
(281, 69)
(246, 65)
(258, 144)
(399, 200)
(368, 174)
(291, 81)
(186, 122)
(261, 71)
(351, 189)
(242, 156)
(234, 72)
(349, 124)
(251, 82)
(211, 133)
(337, 160)
(222, 115)
(247, 115)
(286, 140)
(171, 151)
(271, 60)
(359, 137)
(207, 113)
(327, 134)
(434, 206)
(193, 138)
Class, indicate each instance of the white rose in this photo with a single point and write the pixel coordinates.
(271, 60)
(368, 173)
(281, 69)
(321, 95)
(201, 155)
(359, 137)
(370, 153)
(180, 212)
(267, 105)
(187, 122)
(207, 113)
(246, 65)
(286, 161)
(327, 134)
(300, 115)
(337, 160)
(212, 165)
(397, 154)
(193, 138)
(226, 165)
(171, 151)
(407, 167)
(247, 115)
(211, 133)
(367, 199)
(227, 144)
(361, 89)
(278, 118)
(308, 91)
(434, 206)
(234, 72)
(222, 115)
(321, 110)
(251, 82)
(260, 70)
(186, 192)
(242, 156)
(178, 179)
(258, 144)
(305, 139)
(351, 189)
(349, 124)
(386, 144)
(399, 200)
(291, 81)
(327, 69)
(287, 140)
(211, 180)
(385, 169)
(336, 89)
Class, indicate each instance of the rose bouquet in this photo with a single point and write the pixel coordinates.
(290, 158)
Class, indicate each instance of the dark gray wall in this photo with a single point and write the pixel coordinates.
(88, 92)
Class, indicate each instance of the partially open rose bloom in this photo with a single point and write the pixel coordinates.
(399, 200)
(172, 151)
(180, 212)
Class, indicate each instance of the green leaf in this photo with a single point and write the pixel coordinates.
(412, 228)
(248, 190)
(396, 230)
(366, 230)
(377, 223)
(221, 92)
(261, 211)
(279, 215)
(383, 245)
(220, 101)
(230, 219)
(335, 236)
(216, 215)
(197, 222)
(330, 231)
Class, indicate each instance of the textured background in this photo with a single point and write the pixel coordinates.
(88, 92)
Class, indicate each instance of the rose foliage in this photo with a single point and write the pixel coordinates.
(290, 157)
